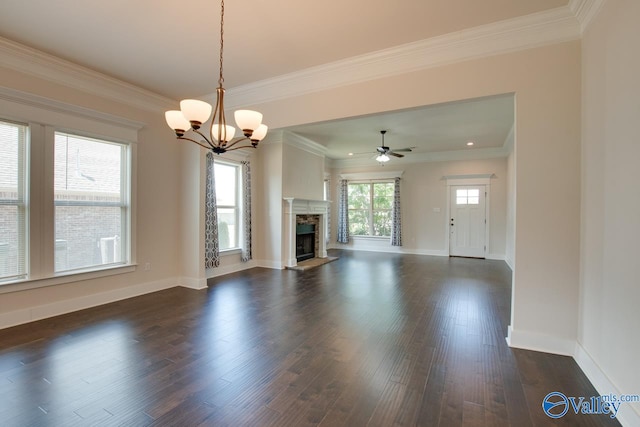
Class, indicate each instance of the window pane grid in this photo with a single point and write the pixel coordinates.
(91, 203)
(13, 209)
(370, 208)
(468, 196)
(227, 183)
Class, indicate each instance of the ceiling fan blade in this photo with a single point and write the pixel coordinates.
(404, 150)
(393, 153)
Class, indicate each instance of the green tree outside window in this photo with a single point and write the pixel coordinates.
(370, 208)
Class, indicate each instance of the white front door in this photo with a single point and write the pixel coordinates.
(467, 223)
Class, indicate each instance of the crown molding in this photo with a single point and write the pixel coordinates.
(295, 140)
(367, 176)
(585, 11)
(538, 29)
(441, 156)
(40, 102)
(33, 62)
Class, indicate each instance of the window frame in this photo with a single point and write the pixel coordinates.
(21, 203)
(44, 117)
(237, 208)
(371, 209)
(124, 204)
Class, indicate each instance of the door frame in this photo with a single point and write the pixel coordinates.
(478, 179)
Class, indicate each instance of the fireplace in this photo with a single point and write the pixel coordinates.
(305, 241)
(304, 212)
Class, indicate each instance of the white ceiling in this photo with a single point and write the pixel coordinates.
(171, 48)
(437, 128)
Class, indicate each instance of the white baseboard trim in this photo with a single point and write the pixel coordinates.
(44, 311)
(193, 283)
(627, 416)
(391, 250)
(527, 340)
(228, 269)
(497, 257)
(275, 265)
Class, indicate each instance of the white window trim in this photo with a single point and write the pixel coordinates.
(124, 204)
(239, 213)
(371, 210)
(22, 202)
(45, 117)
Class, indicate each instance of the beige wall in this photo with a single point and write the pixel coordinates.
(610, 289)
(157, 212)
(423, 189)
(546, 82)
(268, 243)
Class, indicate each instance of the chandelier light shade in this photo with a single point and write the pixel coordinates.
(383, 158)
(193, 113)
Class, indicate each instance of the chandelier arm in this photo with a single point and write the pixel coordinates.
(218, 117)
(239, 148)
(236, 141)
(194, 141)
(205, 138)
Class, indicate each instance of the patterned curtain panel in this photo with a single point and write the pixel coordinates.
(246, 209)
(328, 184)
(343, 213)
(396, 217)
(211, 248)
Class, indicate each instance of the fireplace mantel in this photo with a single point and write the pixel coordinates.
(294, 206)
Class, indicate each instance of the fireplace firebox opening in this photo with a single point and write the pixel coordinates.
(305, 241)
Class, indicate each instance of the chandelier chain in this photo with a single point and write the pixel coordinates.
(194, 113)
(221, 78)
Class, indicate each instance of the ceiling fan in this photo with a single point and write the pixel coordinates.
(384, 152)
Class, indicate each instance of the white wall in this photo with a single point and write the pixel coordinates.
(609, 333)
(423, 190)
(510, 238)
(269, 187)
(302, 172)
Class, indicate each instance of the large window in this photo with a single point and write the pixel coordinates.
(13, 206)
(370, 208)
(227, 177)
(91, 202)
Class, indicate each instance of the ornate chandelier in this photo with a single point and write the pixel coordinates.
(193, 113)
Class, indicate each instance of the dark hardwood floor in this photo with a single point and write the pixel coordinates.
(368, 340)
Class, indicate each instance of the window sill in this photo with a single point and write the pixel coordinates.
(234, 251)
(381, 238)
(66, 277)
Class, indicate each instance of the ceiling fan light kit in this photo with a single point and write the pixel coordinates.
(193, 113)
(384, 152)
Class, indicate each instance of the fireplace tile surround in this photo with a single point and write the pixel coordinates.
(303, 211)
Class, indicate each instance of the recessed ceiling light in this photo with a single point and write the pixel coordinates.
(351, 154)
(470, 143)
